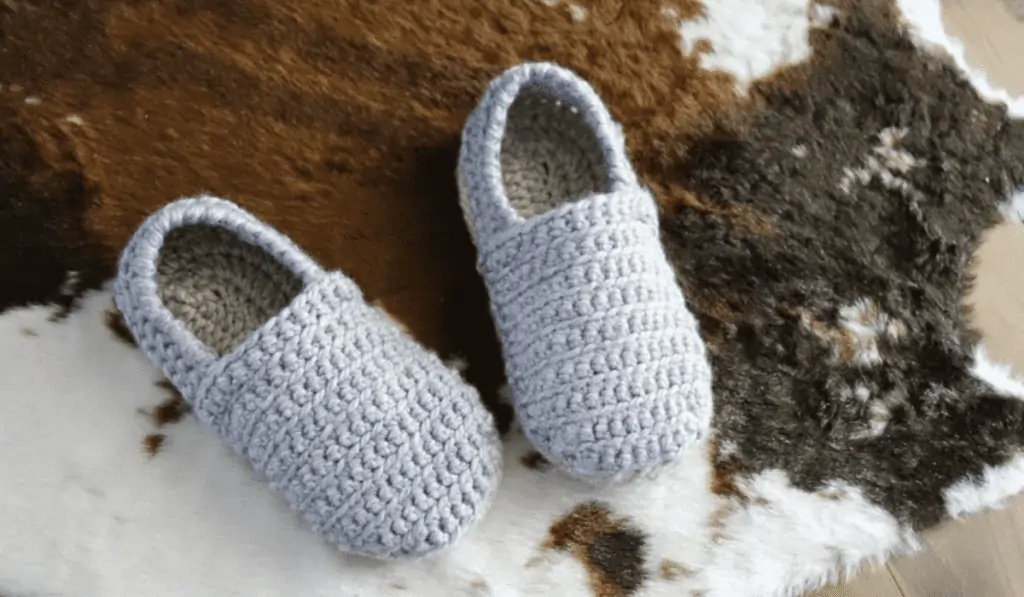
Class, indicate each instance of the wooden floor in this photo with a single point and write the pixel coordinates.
(984, 555)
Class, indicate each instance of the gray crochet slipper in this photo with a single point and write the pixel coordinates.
(382, 448)
(607, 370)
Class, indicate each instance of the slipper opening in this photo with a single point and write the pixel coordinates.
(550, 155)
(220, 287)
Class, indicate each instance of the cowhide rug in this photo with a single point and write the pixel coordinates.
(825, 172)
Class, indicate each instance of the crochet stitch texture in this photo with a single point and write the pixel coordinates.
(380, 446)
(606, 367)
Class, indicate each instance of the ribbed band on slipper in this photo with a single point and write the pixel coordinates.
(607, 370)
(380, 446)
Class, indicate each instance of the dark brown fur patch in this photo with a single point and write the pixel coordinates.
(172, 409)
(46, 254)
(152, 443)
(536, 461)
(611, 550)
(796, 393)
(115, 323)
(723, 473)
(723, 481)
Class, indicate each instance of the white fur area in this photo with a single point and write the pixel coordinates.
(998, 375)
(997, 483)
(751, 39)
(85, 512)
(1013, 208)
(786, 541)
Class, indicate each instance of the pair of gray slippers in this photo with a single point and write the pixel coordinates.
(380, 446)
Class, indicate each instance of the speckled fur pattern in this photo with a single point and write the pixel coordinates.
(841, 324)
(824, 172)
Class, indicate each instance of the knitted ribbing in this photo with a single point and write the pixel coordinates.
(606, 367)
(379, 445)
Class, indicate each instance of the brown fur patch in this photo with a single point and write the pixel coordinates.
(46, 254)
(718, 317)
(172, 409)
(724, 469)
(28, 332)
(152, 443)
(115, 323)
(672, 570)
(536, 461)
(723, 481)
(716, 522)
(610, 549)
(480, 586)
(743, 216)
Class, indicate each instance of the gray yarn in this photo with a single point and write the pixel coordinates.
(379, 445)
(607, 369)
